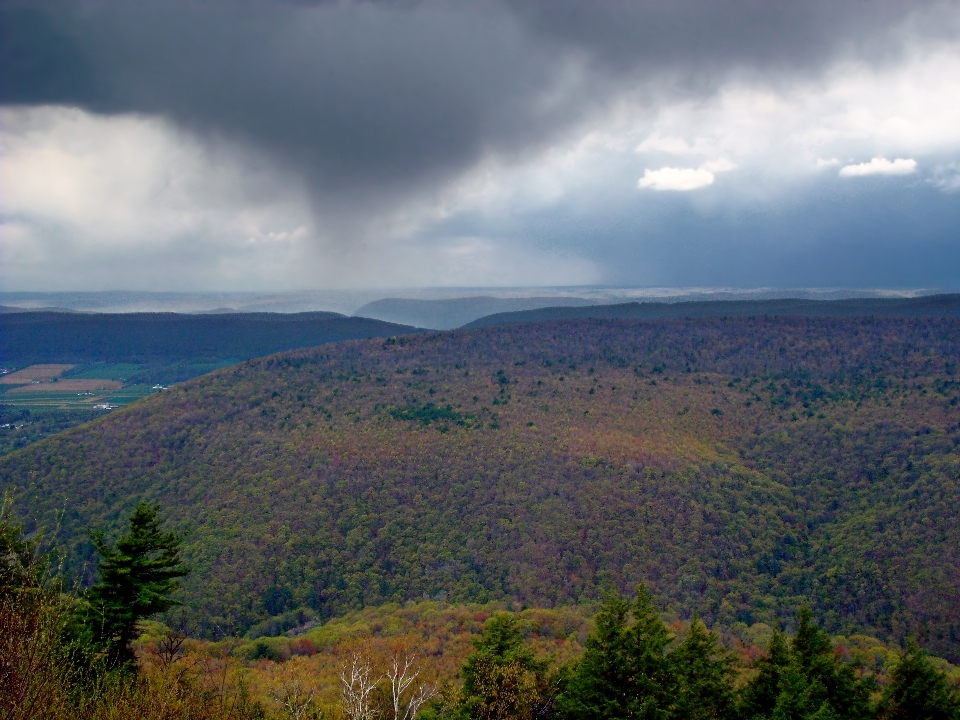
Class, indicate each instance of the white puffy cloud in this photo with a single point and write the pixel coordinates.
(880, 166)
(786, 131)
(681, 179)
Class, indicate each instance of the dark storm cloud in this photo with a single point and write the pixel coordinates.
(374, 101)
(710, 38)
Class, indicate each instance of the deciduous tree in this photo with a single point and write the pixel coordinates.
(502, 680)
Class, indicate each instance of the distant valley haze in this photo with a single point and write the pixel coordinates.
(429, 308)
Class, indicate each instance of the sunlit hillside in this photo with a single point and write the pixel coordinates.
(737, 466)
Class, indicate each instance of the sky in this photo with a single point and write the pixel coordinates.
(208, 145)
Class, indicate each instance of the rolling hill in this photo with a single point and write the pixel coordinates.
(925, 306)
(454, 312)
(737, 465)
(111, 359)
(165, 338)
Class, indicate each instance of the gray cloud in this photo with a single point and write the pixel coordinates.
(390, 108)
(371, 101)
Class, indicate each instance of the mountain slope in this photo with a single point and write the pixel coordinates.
(738, 466)
(926, 306)
(70, 337)
(454, 312)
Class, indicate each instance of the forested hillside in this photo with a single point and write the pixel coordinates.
(924, 306)
(137, 354)
(455, 312)
(737, 466)
(165, 338)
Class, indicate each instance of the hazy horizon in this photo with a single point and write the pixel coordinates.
(348, 302)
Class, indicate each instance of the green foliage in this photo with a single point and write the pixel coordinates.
(502, 679)
(704, 673)
(21, 426)
(631, 665)
(623, 670)
(137, 576)
(811, 681)
(629, 671)
(916, 689)
(833, 473)
(759, 697)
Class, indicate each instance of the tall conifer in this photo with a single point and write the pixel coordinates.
(137, 576)
(916, 689)
(760, 695)
(704, 672)
(624, 672)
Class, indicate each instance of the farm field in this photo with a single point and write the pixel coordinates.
(39, 373)
(68, 387)
(66, 368)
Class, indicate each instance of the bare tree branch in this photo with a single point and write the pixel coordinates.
(402, 674)
(357, 687)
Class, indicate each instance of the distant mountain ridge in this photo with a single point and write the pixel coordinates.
(29, 337)
(15, 309)
(452, 313)
(947, 305)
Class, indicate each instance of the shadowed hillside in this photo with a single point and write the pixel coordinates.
(69, 337)
(735, 465)
(452, 313)
(926, 306)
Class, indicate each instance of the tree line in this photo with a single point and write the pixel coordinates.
(70, 654)
(632, 669)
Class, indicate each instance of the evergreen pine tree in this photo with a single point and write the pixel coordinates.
(916, 689)
(805, 682)
(502, 680)
(137, 576)
(624, 672)
(704, 673)
(652, 670)
(828, 678)
(801, 697)
(760, 695)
